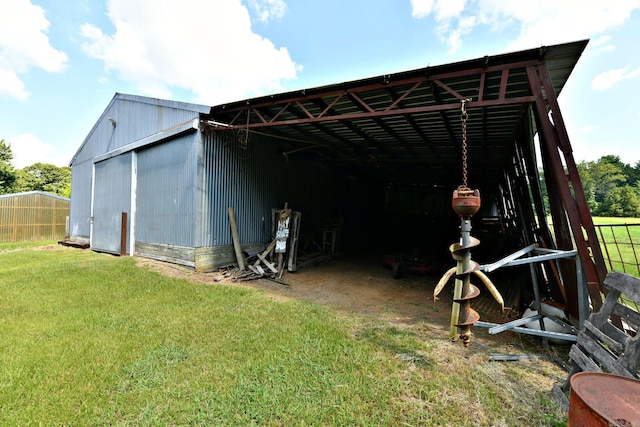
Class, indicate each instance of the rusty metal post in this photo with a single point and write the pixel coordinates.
(555, 143)
(123, 234)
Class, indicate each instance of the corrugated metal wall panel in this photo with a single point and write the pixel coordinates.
(249, 180)
(32, 217)
(135, 118)
(134, 121)
(256, 179)
(80, 216)
(179, 204)
(112, 196)
(166, 193)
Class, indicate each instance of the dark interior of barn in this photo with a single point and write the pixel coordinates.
(401, 144)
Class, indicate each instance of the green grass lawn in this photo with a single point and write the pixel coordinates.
(92, 339)
(598, 220)
(620, 244)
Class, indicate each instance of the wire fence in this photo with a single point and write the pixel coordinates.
(620, 244)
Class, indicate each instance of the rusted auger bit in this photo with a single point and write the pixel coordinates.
(465, 203)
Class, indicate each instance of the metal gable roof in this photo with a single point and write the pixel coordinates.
(406, 127)
(32, 193)
(196, 109)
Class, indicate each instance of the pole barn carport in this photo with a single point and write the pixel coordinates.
(402, 133)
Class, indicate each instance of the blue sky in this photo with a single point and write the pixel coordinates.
(62, 61)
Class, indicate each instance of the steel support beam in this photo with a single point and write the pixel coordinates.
(392, 109)
(553, 136)
(371, 114)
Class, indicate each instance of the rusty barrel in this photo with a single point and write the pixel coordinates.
(599, 399)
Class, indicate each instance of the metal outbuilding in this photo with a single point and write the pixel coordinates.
(383, 154)
(33, 216)
(157, 162)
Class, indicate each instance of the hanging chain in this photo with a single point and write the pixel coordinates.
(463, 119)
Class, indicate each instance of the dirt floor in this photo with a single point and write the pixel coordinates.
(363, 286)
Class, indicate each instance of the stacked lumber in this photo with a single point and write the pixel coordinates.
(604, 347)
(609, 342)
(284, 245)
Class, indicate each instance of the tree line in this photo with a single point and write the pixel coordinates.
(37, 177)
(612, 187)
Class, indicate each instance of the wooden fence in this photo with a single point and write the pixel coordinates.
(33, 216)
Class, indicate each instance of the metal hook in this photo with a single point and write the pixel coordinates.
(463, 108)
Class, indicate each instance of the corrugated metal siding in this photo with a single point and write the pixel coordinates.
(179, 204)
(32, 217)
(135, 118)
(134, 121)
(80, 215)
(112, 196)
(249, 180)
(165, 196)
(255, 179)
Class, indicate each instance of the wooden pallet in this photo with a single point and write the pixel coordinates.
(603, 347)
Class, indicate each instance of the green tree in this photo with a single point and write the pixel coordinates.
(8, 174)
(45, 177)
(543, 190)
(599, 178)
(622, 202)
(634, 174)
(630, 173)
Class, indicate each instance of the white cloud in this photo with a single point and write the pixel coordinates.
(609, 79)
(421, 8)
(28, 149)
(545, 22)
(267, 9)
(453, 36)
(444, 9)
(24, 44)
(11, 85)
(540, 22)
(199, 45)
(447, 9)
(601, 44)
